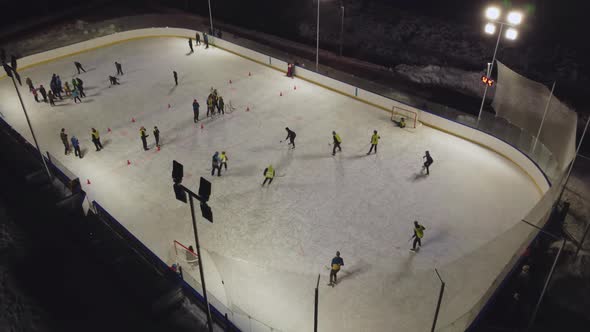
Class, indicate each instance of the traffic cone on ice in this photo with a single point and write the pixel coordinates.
(202, 126)
(158, 148)
(109, 130)
(132, 119)
(128, 162)
(87, 181)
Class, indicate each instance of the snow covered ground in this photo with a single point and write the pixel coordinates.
(267, 245)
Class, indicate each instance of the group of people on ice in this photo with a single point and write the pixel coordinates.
(56, 89)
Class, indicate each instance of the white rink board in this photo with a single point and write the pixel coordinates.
(270, 244)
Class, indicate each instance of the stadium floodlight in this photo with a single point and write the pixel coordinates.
(493, 13)
(511, 33)
(514, 18)
(490, 28)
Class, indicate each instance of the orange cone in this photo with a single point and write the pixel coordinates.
(158, 149)
(87, 181)
(128, 162)
(132, 119)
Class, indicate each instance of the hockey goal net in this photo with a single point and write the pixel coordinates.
(186, 256)
(410, 117)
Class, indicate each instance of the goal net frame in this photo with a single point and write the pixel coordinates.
(411, 117)
(185, 257)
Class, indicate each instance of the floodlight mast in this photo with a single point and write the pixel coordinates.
(514, 18)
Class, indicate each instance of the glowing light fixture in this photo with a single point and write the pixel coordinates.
(490, 28)
(514, 18)
(493, 13)
(511, 33)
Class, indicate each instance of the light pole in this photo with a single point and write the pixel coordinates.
(341, 27)
(11, 71)
(210, 17)
(204, 192)
(513, 19)
(317, 44)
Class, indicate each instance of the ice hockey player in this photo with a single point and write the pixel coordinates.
(96, 139)
(114, 81)
(337, 142)
(175, 77)
(76, 146)
(418, 235)
(119, 68)
(269, 174)
(428, 161)
(197, 39)
(43, 93)
(402, 123)
(220, 105)
(64, 140)
(215, 164)
(143, 137)
(223, 159)
(190, 44)
(290, 136)
(79, 66)
(337, 263)
(206, 40)
(374, 141)
(157, 136)
(195, 111)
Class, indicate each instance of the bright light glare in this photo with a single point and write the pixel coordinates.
(493, 13)
(490, 28)
(511, 34)
(514, 18)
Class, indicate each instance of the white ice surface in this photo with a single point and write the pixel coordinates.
(269, 244)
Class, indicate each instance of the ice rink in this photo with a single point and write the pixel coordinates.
(269, 244)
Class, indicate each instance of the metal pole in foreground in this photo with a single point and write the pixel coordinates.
(210, 16)
(485, 91)
(544, 115)
(209, 319)
(440, 296)
(569, 172)
(31, 127)
(317, 45)
(315, 313)
(341, 27)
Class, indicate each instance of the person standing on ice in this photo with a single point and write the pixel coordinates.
(428, 161)
(51, 98)
(210, 105)
(96, 139)
(190, 44)
(175, 77)
(290, 136)
(157, 136)
(337, 263)
(215, 164)
(143, 137)
(119, 68)
(35, 95)
(67, 89)
(206, 40)
(223, 159)
(64, 140)
(76, 146)
(30, 84)
(76, 96)
(269, 174)
(43, 93)
(195, 111)
(197, 39)
(337, 141)
(220, 105)
(374, 141)
(418, 235)
(79, 67)
(80, 86)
